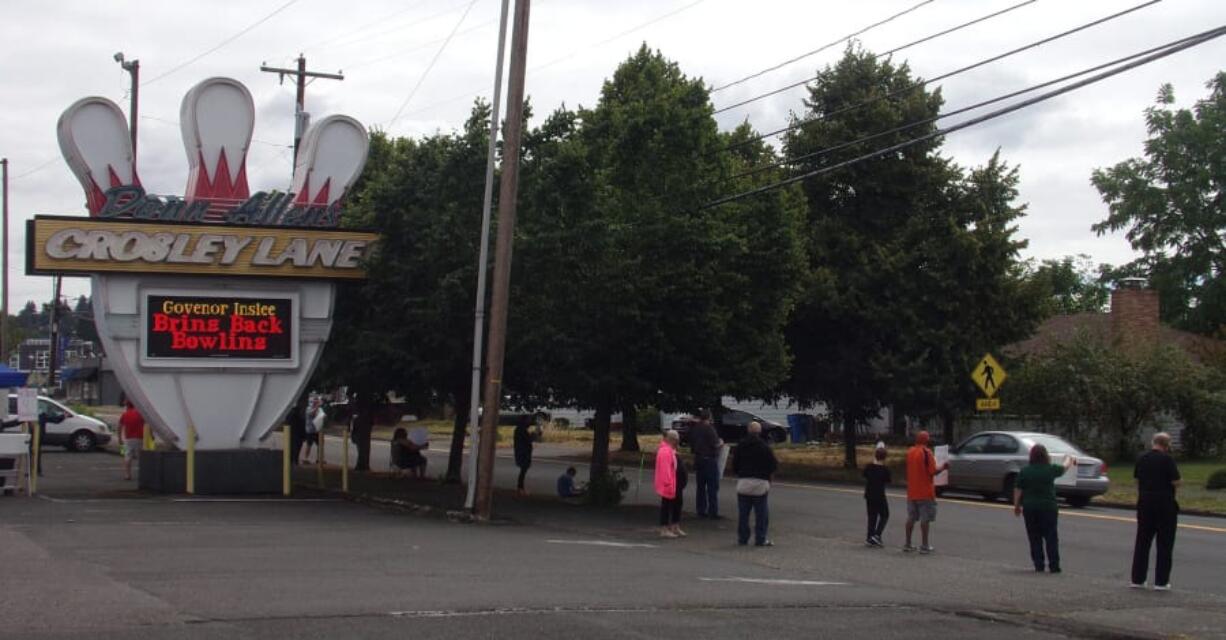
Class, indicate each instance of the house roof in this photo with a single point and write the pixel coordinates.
(1062, 328)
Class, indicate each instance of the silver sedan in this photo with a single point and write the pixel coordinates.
(987, 463)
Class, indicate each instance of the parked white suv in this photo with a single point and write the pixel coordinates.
(74, 432)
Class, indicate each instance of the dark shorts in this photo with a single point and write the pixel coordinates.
(922, 510)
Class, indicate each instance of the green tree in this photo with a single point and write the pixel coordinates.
(913, 263)
(408, 327)
(1072, 284)
(1170, 202)
(632, 294)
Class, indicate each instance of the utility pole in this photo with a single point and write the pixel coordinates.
(507, 193)
(474, 396)
(53, 356)
(4, 261)
(133, 69)
(300, 74)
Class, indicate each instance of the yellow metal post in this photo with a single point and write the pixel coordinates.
(285, 461)
(191, 460)
(146, 439)
(345, 462)
(34, 459)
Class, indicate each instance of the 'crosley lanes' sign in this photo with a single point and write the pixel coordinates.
(65, 245)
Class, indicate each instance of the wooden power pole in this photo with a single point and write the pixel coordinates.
(300, 74)
(507, 193)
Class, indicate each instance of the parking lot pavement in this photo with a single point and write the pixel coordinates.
(96, 562)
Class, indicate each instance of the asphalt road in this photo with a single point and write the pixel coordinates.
(95, 559)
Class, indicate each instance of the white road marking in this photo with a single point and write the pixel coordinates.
(606, 543)
(780, 581)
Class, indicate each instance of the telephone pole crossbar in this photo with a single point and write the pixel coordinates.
(300, 74)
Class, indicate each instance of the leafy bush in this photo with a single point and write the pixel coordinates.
(1217, 480)
(607, 489)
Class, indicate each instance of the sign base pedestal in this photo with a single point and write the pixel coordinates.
(218, 472)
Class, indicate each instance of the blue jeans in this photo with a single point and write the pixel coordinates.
(1041, 531)
(758, 505)
(706, 470)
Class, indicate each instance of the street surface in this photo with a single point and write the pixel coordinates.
(93, 558)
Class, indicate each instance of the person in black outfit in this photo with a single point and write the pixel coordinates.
(296, 419)
(876, 477)
(754, 463)
(705, 444)
(1157, 513)
(523, 450)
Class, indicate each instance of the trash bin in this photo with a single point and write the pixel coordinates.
(798, 424)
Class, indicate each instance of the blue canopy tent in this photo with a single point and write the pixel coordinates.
(11, 378)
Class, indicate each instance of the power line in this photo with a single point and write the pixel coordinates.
(36, 169)
(822, 48)
(943, 76)
(1163, 51)
(413, 23)
(570, 55)
(927, 38)
(364, 27)
(959, 111)
(424, 45)
(430, 66)
(223, 43)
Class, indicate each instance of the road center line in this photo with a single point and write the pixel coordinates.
(779, 581)
(606, 543)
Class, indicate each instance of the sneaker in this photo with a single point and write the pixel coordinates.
(668, 534)
(681, 533)
(1137, 585)
(926, 549)
(1162, 587)
(1055, 569)
(877, 541)
(906, 548)
(764, 543)
(870, 543)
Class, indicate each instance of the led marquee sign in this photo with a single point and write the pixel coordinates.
(221, 329)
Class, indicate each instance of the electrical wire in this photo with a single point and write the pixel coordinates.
(927, 38)
(221, 44)
(409, 24)
(364, 27)
(943, 76)
(822, 48)
(948, 114)
(1164, 51)
(424, 45)
(35, 170)
(430, 66)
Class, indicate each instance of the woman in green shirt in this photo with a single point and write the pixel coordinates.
(1034, 498)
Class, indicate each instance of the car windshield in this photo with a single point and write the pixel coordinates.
(1054, 444)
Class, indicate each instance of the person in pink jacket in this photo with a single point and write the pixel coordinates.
(670, 483)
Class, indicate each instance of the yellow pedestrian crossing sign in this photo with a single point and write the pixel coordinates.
(988, 375)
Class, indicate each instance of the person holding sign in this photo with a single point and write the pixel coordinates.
(1034, 499)
(921, 492)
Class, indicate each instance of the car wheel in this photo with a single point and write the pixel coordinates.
(1078, 502)
(82, 441)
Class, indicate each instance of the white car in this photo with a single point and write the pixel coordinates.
(74, 432)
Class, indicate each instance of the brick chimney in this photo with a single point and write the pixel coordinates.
(1134, 313)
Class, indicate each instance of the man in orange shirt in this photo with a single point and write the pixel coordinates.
(132, 430)
(921, 492)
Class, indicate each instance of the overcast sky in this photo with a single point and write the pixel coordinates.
(52, 54)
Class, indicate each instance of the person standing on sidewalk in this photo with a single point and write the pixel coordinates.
(1157, 513)
(1034, 498)
(754, 463)
(921, 492)
(523, 451)
(876, 477)
(667, 485)
(132, 431)
(705, 444)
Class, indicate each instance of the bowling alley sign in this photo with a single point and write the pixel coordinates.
(212, 307)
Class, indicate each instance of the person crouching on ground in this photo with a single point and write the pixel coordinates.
(406, 454)
(754, 463)
(132, 430)
(921, 492)
(876, 477)
(667, 486)
(1034, 498)
(566, 485)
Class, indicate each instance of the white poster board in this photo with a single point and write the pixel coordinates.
(1069, 479)
(941, 454)
(27, 404)
(723, 459)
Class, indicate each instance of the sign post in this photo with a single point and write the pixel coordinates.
(27, 412)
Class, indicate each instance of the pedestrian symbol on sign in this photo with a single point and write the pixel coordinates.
(988, 375)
